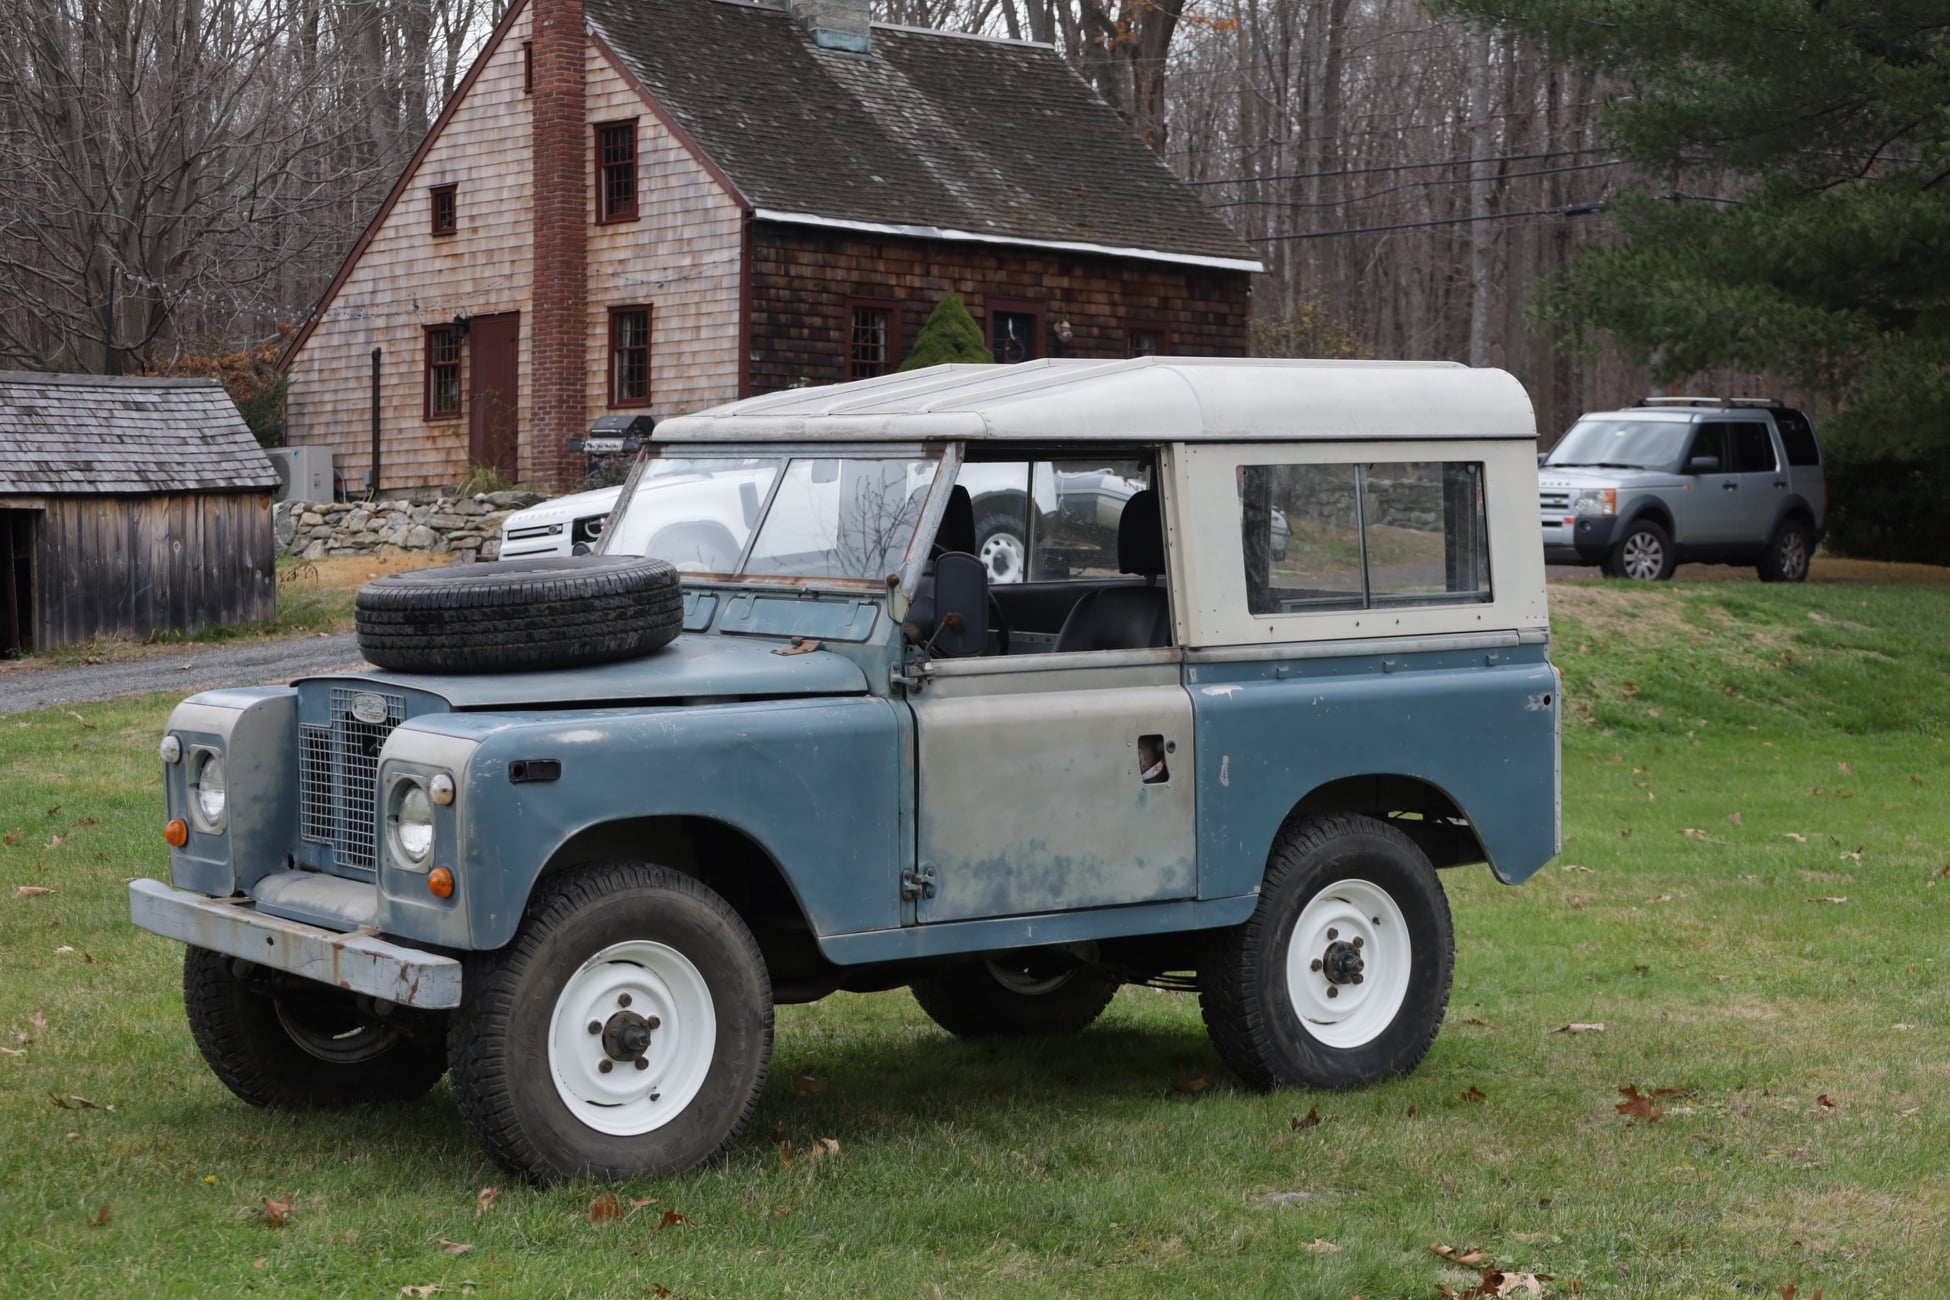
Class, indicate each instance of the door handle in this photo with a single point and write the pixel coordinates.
(1729, 486)
(1780, 482)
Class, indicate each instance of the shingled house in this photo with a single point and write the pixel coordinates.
(129, 506)
(657, 205)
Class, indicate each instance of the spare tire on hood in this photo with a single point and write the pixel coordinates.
(555, 611)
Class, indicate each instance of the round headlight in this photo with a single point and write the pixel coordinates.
(171, 749)
(413, 823)
(207, 780)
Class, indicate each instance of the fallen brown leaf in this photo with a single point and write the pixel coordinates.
(100, 1218)
(1310, 1120)
(1469, 1257)
(672, 1218)
(1478, 1021)
(1573, 866)
(1825, 1101)
(1796, 836)
(453, 1247)
(605, 1208)
(1843, 768)
(1576, 1028)
(1321, 1246)
(12, 837)
(1475, 1094)
(1733, 819)
(56, 841)
(33, 891)
(1637, 1105)
(805, 1085)
(485, 1201)
(1841, 898)
(1183, 1083)
(276, 1213)
(640, 1202)
(421, 1292)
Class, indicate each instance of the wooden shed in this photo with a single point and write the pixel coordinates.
(128, 507)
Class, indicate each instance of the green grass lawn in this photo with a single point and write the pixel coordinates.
(1735, 754)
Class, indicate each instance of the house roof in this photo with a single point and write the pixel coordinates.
(933, 134)
(1146, 399)
(92, 434)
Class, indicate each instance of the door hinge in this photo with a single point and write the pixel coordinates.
(917, 884)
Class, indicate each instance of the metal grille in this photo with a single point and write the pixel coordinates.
(1554, 501)
(315, 783)
(338, 777)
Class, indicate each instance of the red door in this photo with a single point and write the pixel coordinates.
(493, 432)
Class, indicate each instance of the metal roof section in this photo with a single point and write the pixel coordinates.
(1146, 399)
(87, 435)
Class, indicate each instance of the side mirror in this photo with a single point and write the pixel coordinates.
(1703, 465)
(961, 606)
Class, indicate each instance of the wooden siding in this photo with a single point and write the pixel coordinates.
(133, 565)
(802, 278)
(681, 257)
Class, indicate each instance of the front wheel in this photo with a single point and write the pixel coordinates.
(1001, 549)
(625, 1032)
(295, 1045)
(1643, 554)
(1031, 991)
(1342, 973)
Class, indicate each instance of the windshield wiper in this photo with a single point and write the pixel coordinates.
(1589, 464)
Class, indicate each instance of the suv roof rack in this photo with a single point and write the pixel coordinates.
(1709, 401)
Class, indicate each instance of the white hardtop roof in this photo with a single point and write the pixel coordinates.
(1146, 399)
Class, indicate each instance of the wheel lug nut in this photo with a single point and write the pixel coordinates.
(1358, 941)
(605, 1065)
(1315, 965)
(1359, 977)
(1333, 990)
(622, 999)
(653, 1023)
(1333, 934)
(595, 1026)
(642, 1062)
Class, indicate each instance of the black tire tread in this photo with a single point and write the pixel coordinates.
(1234, 1017)
(1769, 568)
(237, 1032)
(480, 1044)
(970, 1004)
(540, 612)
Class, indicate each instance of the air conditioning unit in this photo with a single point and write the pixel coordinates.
(304, 473)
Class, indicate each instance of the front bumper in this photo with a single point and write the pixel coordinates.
(1588, 540)
(358, 961)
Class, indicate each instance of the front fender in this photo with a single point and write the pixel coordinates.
(814, 782)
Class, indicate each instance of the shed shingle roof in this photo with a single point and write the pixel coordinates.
(932, 132)
(90, 434)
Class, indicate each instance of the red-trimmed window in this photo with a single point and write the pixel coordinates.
(629, 356)
(1146, 339)
(873, 338)
(528, 67)
(443, 203)
(616, 171)
(1015, 330)
(442, 372)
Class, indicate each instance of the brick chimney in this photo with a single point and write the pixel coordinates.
(834, 24)
(558, 381)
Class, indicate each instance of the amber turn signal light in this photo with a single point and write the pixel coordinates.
(177, 832)
(440, 882)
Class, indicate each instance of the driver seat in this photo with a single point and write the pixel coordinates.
(1126, 618)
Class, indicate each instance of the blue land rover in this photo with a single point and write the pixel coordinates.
(593, 817)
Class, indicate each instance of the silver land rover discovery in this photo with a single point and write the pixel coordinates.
(1720, 480)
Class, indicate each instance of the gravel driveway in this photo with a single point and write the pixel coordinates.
(181, 671)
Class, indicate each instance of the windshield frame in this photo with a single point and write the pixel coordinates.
(947, 458)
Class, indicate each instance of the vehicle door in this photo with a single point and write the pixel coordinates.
(1760, 483)
(1052, 779)
(1704, 512)
(1804, 473)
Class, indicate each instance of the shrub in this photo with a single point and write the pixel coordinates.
(950, 335)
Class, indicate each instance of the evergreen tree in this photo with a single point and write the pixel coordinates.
(949, 335)
(1804, 224)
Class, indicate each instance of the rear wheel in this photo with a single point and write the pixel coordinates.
(301, 1046)
(625, 1032)
(1029, 991)
(1000, 547)
(1788, 553)
(1342, 973)
(1642, 554)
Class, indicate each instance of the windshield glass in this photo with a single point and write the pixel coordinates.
(796, 517)
(1623, 444)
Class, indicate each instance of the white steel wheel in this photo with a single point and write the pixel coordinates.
(632, 1038)
(1347, 964)
(1005, 557)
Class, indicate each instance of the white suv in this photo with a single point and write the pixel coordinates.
(1676, 479)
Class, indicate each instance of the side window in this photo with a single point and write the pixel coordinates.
(1751, 447)
(1358, 536)
(1049, 521)
(1709, 440)
(1797, 437)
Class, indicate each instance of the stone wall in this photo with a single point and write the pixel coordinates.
(468, 528)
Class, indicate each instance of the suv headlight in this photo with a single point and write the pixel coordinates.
(207, 794)
(1596, 501)
(412, 821)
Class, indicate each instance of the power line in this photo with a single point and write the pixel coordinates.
(1406, 167)
(1568, 210)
